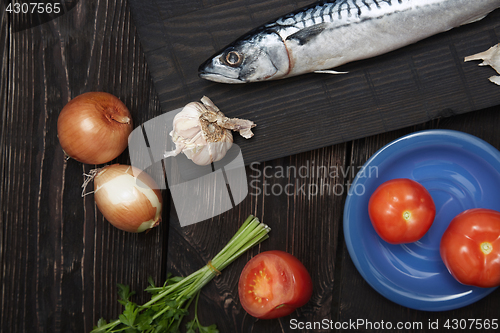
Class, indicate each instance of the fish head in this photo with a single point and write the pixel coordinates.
(254, 57)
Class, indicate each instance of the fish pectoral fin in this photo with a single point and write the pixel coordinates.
(329, 71)
(303, 36)
(474, 19)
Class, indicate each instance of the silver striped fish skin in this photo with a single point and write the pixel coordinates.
(325, 35)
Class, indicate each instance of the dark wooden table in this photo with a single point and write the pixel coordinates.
(61, 261)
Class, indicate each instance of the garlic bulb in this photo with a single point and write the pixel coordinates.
(490, 57)
(203, 133)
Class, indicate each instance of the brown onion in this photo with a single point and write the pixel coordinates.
(128, 198)
(94, 127)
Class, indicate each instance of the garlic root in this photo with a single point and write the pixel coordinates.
(490, 57)
(214, 115)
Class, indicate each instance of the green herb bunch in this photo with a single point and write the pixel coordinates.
(170, 302)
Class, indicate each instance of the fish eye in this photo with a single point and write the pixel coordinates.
(233, 58)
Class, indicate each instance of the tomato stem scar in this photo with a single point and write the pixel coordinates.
(406, 215)
(486, 247)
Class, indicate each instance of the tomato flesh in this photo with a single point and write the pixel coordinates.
(401, 211)
(273, 284)
(470, 248)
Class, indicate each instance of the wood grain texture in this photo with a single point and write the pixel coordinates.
(409, 86)
(303, 207)
(61, 260)
(308, 224)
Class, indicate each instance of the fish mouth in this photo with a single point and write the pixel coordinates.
(213, 70)
(218, 78)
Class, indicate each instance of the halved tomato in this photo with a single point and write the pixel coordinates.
(273, 284)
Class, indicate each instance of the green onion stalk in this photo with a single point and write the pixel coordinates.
(170, 302)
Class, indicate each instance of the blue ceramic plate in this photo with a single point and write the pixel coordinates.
(460, 171)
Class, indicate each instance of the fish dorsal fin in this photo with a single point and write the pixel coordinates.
(303, 36)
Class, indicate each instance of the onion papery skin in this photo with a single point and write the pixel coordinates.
(94, 127)
(127, 198)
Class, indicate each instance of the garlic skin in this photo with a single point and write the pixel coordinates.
(490, 57)
(203, 133)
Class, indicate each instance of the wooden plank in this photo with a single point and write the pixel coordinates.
(409, 86)
(61, 260)
(303, 206)
(310, 226)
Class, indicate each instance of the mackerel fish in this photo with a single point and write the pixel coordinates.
(325, 35)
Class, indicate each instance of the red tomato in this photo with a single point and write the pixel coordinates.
(401, 211)
(273, 284)
(470, 247)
